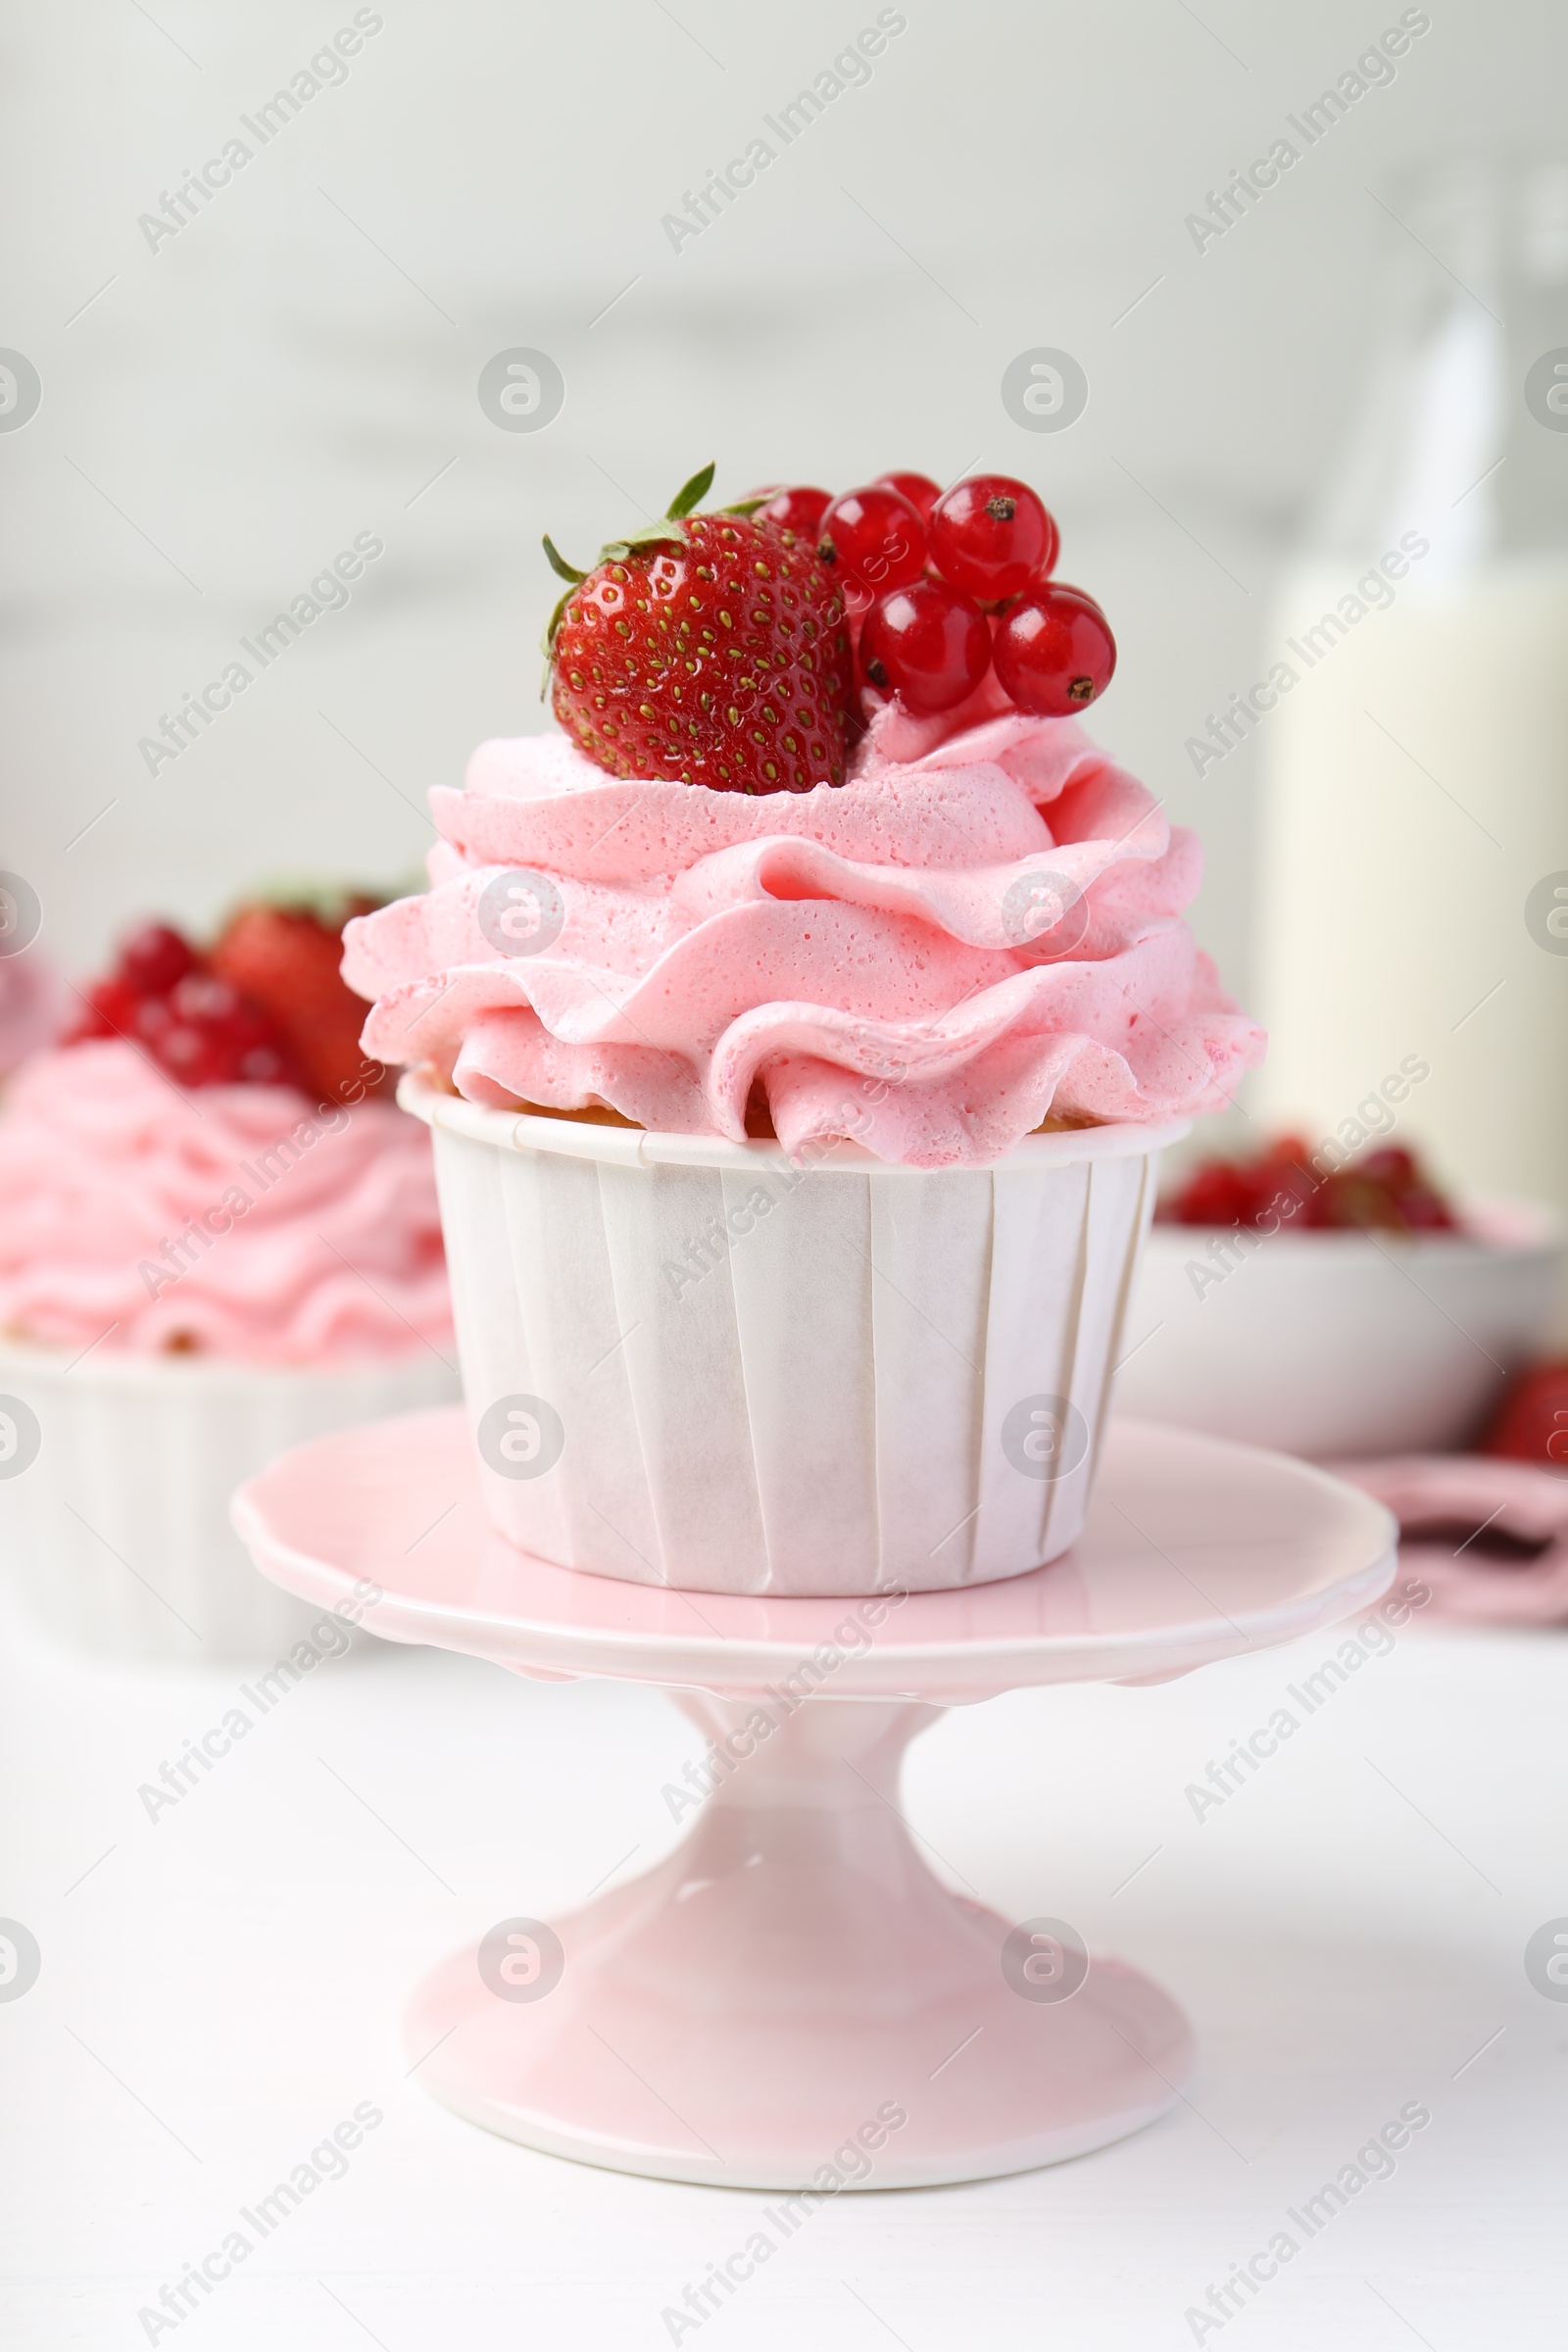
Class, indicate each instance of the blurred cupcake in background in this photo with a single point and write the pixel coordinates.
(31, 991)
(218, 1235)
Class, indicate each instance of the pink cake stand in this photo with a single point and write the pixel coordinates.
(791, 1978)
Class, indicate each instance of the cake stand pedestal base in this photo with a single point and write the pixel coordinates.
(792, 1981)
(791, 2001)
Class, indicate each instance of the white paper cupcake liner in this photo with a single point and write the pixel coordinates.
(116, 1474)
(689, 1362)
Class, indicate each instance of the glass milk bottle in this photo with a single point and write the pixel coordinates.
(1414, 899)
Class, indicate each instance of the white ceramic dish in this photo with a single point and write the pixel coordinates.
(116, 1474)
(1340, 1345)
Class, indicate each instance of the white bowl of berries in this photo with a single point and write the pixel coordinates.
(1335, 1312)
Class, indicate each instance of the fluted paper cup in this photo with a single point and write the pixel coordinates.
(692, 1362)
(116, 1474)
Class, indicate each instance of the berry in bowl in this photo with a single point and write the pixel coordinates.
(1339, 1307)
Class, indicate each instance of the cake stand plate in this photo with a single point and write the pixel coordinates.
(791, 2000)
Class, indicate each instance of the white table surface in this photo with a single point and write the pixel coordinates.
(219, 1989)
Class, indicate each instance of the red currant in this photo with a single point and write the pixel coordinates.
(184, 1052)
(200, 1029)
(799, 510)
(263, 1064)
(110, 1012)
(204, 1033)
(926, 644)
(871, 540)
(199, 996)
(919, 488)
(992, 537)
(1055, 652)
(153, 958)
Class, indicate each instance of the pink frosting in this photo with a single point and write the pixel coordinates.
(855, 953)
(301, 1233)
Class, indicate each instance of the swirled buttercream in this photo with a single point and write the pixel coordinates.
(981, 929)
(245, 1222)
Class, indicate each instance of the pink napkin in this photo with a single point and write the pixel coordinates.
(1489, 1537)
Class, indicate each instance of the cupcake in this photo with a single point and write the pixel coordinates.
(30, 988)
(799, 1027)
(218, 1237)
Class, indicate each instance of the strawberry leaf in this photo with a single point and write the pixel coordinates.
(559, 564)
(685, 499)
(655, 534)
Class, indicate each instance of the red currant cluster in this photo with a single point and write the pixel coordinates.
(941, 586)
(160, 995)
(1386, 1190)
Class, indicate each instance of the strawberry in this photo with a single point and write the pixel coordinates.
(1531, 1424)
(709, 649)
(285, 959)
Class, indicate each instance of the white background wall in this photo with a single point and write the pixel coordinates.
(222, 415)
